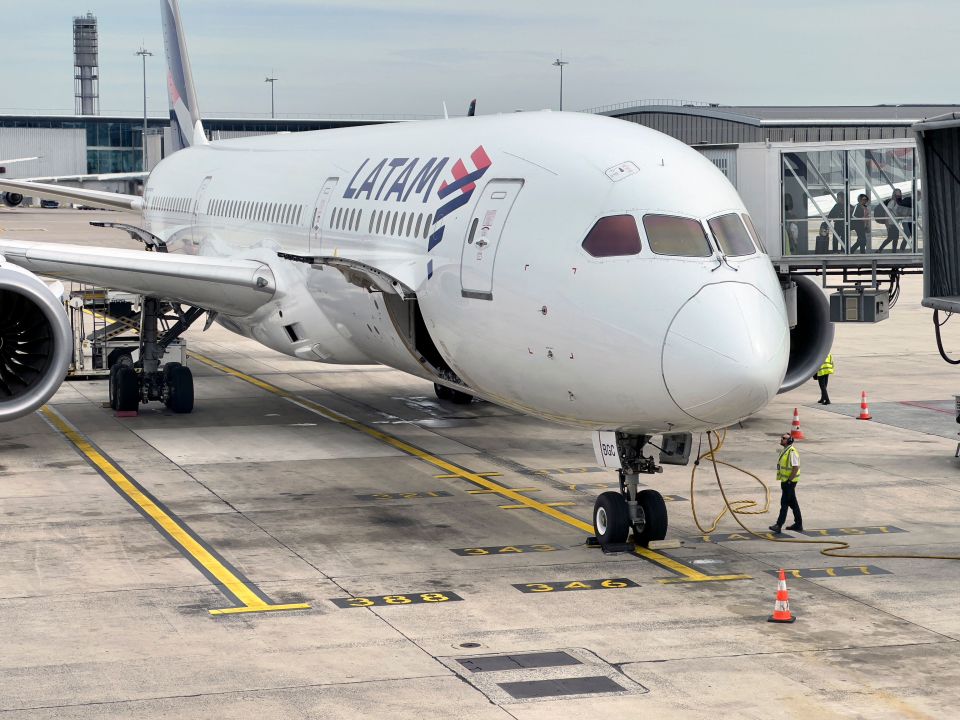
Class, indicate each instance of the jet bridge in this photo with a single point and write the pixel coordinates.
(938, 144)
(841, 210)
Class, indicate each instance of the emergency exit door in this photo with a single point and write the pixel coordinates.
(483, 237)
(323, 201)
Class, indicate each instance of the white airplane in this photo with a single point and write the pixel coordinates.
(577, 268)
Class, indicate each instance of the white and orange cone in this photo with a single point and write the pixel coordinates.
(864, 410)
(795, 432)
(781, 610)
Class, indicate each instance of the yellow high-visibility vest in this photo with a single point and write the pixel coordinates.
(827, 367)
(785, 466)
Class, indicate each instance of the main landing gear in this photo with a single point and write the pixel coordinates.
(616, 512)
(132, 383)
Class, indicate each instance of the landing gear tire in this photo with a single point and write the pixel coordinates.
(611, 518)
(126, 389)
(651, 518)
(112, 386)
(179, 388)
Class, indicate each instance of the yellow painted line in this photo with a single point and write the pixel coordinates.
(250, 600)
(525, 507)
(483, 474)
(689, 574)
(490, 492)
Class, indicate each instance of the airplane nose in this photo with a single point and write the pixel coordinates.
(726, 353)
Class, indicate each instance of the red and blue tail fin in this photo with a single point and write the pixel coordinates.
(184, 110)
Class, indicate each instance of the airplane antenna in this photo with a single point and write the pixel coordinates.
(446, 115)
(472, 110)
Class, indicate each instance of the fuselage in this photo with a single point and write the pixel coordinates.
(485, 220)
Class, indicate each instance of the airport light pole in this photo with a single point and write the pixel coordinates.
(271, 80)
(143, 53)
(560, 63)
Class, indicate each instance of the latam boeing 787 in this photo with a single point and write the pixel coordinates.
(577, 268)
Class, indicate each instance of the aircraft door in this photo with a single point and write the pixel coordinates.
(323, 200)
(197, 203)
(483, 237)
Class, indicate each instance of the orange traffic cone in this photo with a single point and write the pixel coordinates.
(864, 410)
(781, 609)
(795, 432)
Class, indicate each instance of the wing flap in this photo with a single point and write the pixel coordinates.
(230, 286)
(94, 198)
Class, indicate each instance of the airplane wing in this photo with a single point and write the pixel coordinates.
(227, 285)
(102, 177)
(94, 198)
(18, 160)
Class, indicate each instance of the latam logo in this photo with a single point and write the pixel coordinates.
(461, 190)
(383, 182)
(403, 178)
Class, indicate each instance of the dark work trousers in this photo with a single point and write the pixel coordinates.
(822, 380)
(788, 499)
(863, 239)
(893, 234)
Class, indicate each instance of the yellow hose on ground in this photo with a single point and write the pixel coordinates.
(744, 507)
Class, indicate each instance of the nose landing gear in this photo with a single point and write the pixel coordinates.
(615, 513)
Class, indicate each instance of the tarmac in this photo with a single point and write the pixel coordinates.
(334, 542)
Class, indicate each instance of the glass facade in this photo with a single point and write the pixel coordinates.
(850, 201)
(114, 143)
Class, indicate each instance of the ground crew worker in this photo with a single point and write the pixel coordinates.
(822, 376)
(788, 473)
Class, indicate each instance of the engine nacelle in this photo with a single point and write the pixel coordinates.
(36, 343)
(812, 336)
(11, 199)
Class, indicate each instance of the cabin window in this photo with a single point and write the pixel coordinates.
(731, 235)
(393, 224)
(670, 235)
(426, 227)
(416, 231)
(356, 225)
(403, 219)
(409, 225)
(613, 236)
(379, 220)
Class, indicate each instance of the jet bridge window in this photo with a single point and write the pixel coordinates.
(613, 236)
(677, 236)
(731, 235)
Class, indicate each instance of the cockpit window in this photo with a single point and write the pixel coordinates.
(731, 235)
(669, 235)
(613, 236)
(748, 221)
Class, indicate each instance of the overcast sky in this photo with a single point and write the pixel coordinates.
(335, 57)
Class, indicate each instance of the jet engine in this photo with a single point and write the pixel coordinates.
(11, 199)
(36, 343)
(811, 332)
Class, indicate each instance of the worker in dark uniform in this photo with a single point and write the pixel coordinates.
(788, 473)
(823, 376)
